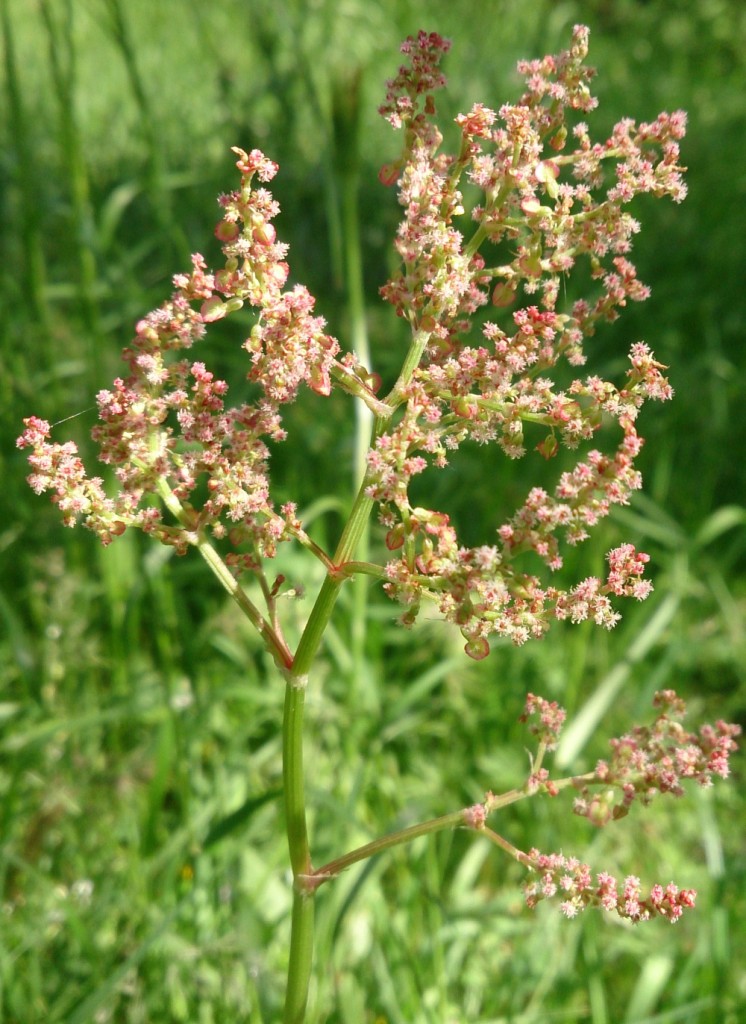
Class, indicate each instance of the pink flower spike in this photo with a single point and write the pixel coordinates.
(565, 875)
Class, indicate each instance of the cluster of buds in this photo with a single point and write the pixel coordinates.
(545, 719)
(166, 431)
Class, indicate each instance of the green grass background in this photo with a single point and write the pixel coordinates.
(143, 866)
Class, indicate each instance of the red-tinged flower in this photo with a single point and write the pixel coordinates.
(227, 231)
(477, 123)
(255, 163)
(417, 79)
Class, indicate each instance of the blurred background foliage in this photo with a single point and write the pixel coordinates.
(142, 858)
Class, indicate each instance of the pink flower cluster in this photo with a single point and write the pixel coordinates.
(573, 881)
(166, 430)
(416, 79)
(656, 759)
(165, 426)
(553, 207)
(648, 759)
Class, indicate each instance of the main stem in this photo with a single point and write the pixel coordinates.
(355, 533)
(301, 939)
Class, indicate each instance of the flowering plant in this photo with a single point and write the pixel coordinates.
(193, 472)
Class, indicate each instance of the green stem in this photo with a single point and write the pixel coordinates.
(411, 362)
(349, 383)
(356, 568)
(295, 670)
(301, 940)
(455, 819)
(300, 959)
(293, 775)
(271, 637)
(507, 847)
(405, 835)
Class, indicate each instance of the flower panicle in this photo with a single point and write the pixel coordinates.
(554, 198)
(647, 761)
(165, 429)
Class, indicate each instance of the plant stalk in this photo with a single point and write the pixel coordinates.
(301, 939)
(301, 958)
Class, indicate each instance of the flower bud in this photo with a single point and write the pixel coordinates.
(462, 406)
(264, 234)
(600, 810)
(254, 341)
(530, 205)
(557, 141)
(530, 264)
(395, 537)
(547, 172)
(213, 309)
(224, 281)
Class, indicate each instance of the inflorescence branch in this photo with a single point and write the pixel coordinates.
(649, 761)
